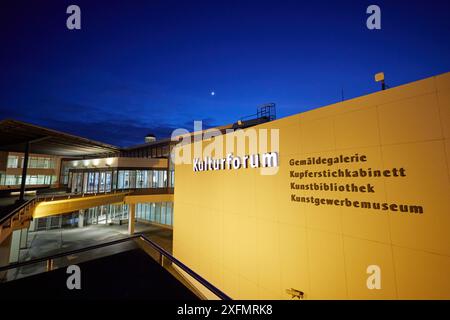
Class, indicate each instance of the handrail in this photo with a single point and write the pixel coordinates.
(129, 191)
(66, 253)
(15, 210)
(71, 195)
(186, 269)
(155, 246)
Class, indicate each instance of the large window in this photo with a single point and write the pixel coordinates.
(159, 179)
(91, 183)
(131, 179)
(160, 212)
(120, 180)
(126, 179)
(39, 162)
(12, 180)
(64, 178)
(33, 162)
(142, 180)
(108, 181)
(15, 180)
(13, 162)
(77, 180)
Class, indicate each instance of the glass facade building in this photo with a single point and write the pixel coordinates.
(107, 180)
(160, 213)
(107, 214)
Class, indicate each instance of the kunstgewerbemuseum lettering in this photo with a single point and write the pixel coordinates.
(342, 173)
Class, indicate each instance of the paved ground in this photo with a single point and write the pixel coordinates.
(43, 243)
(46, 243)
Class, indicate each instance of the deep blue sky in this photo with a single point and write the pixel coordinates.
(149, 66)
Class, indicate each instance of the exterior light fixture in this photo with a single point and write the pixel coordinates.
(109, 161)
(379, 77)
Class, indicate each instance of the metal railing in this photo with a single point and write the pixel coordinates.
(49, 260)
(22, 212)
(66, 196)
(128, 191)
(17, 210)
(18, 217)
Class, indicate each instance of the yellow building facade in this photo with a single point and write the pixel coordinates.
(359, 185)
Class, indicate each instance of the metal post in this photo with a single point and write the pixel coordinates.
(24, 172)
(49, 265)
(131, 217)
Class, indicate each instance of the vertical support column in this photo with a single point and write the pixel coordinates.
(81, 219)
(112, 180)
(32, 225)
(24, 238)
(24, 172)
(131, 218)
(14, 253)
(83, 191)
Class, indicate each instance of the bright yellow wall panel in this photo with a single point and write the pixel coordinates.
(293, 259)
(268, 255)
(421, 275)
(246, 248)
(444, 111)
(357, 129)
(243, 232)
(447, 153)
(410, 120)
(443, 82)
(326, 262)
(317, 136)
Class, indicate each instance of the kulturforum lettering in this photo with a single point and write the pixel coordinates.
(230, 162)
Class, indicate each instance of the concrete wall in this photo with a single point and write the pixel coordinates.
(243, 232)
